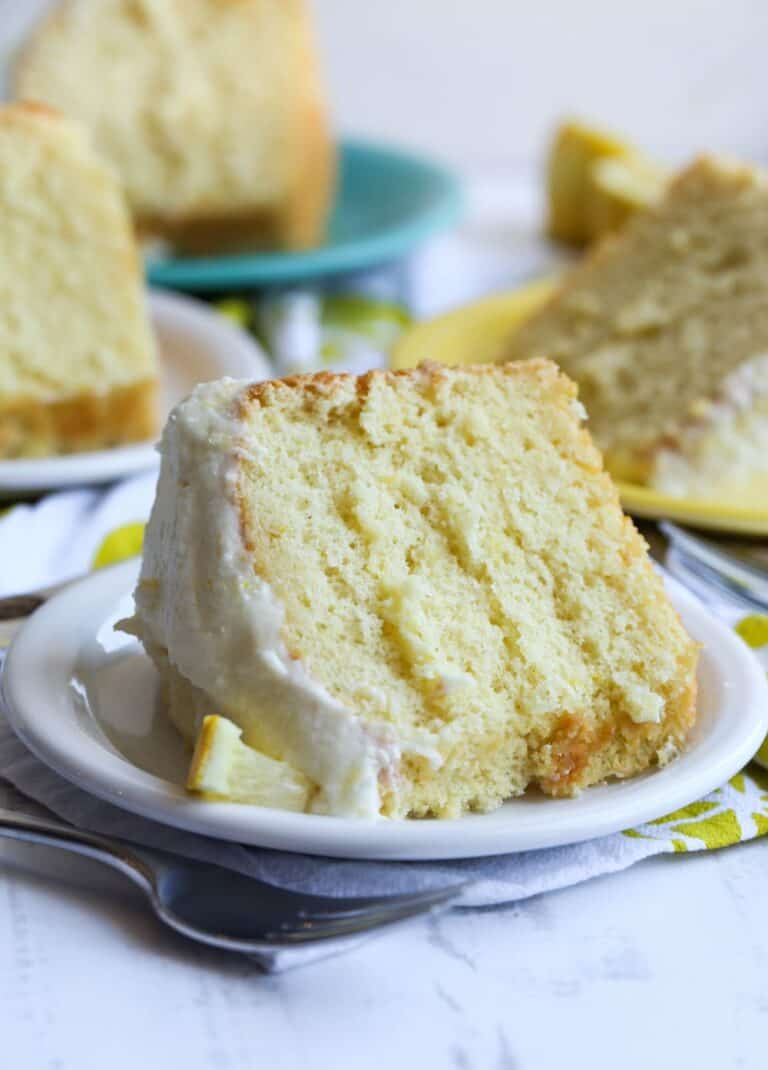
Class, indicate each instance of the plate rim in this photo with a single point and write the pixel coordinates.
(34, 475)
(48, 646)
(222, 273)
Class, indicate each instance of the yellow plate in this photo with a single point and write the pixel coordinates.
(476, 334)
(718, 516)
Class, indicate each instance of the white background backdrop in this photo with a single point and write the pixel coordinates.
(480, 82)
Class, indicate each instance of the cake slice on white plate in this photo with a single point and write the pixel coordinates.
(416, 589)
(78, 368)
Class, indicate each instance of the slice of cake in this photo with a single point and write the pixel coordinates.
(595, 182)
(211, 111)
(77, 361)
(415, 588)
(665, 329)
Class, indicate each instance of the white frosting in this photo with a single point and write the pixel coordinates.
(739, 390)
(724, 450)
(200, 603)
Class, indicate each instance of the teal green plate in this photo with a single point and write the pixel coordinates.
(388, 203)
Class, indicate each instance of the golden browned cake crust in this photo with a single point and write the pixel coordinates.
(33, 428)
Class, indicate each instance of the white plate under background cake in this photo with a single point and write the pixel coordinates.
(195, 344)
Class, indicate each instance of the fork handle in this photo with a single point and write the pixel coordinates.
(18, 826)
(15, 609)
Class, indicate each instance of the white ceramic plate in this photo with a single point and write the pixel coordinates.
(195, 344)
(83, 698)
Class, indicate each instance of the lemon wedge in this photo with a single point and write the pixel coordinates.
(225, 768)
(595, 182)
(120, 544)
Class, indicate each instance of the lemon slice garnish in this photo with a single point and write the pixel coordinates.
(225, 768)
(595, 182)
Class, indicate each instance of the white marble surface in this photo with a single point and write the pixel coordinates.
(664, 965)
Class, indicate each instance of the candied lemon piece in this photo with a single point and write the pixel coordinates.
(120, 544)
(754, 630)
(594, 182)
(225, 768)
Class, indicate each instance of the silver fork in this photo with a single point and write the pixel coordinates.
(224, 909)
(208, 903)
(732, 568)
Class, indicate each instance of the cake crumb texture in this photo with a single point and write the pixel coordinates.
(451, 557)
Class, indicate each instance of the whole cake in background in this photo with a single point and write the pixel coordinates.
(413, 593)
(77, 359)
(665, 329)
(212, 113)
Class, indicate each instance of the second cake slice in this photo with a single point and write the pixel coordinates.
(665, 329)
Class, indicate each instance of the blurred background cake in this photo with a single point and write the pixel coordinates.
(213, 113)
(665, 328)
(77, 358)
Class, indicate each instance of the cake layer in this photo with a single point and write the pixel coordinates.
(33, 428)
(416, 588)
(659, 320)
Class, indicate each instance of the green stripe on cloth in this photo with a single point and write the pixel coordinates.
(736, 812)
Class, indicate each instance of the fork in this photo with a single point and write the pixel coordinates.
(208, 903)
(224, 909)
(734, 569)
